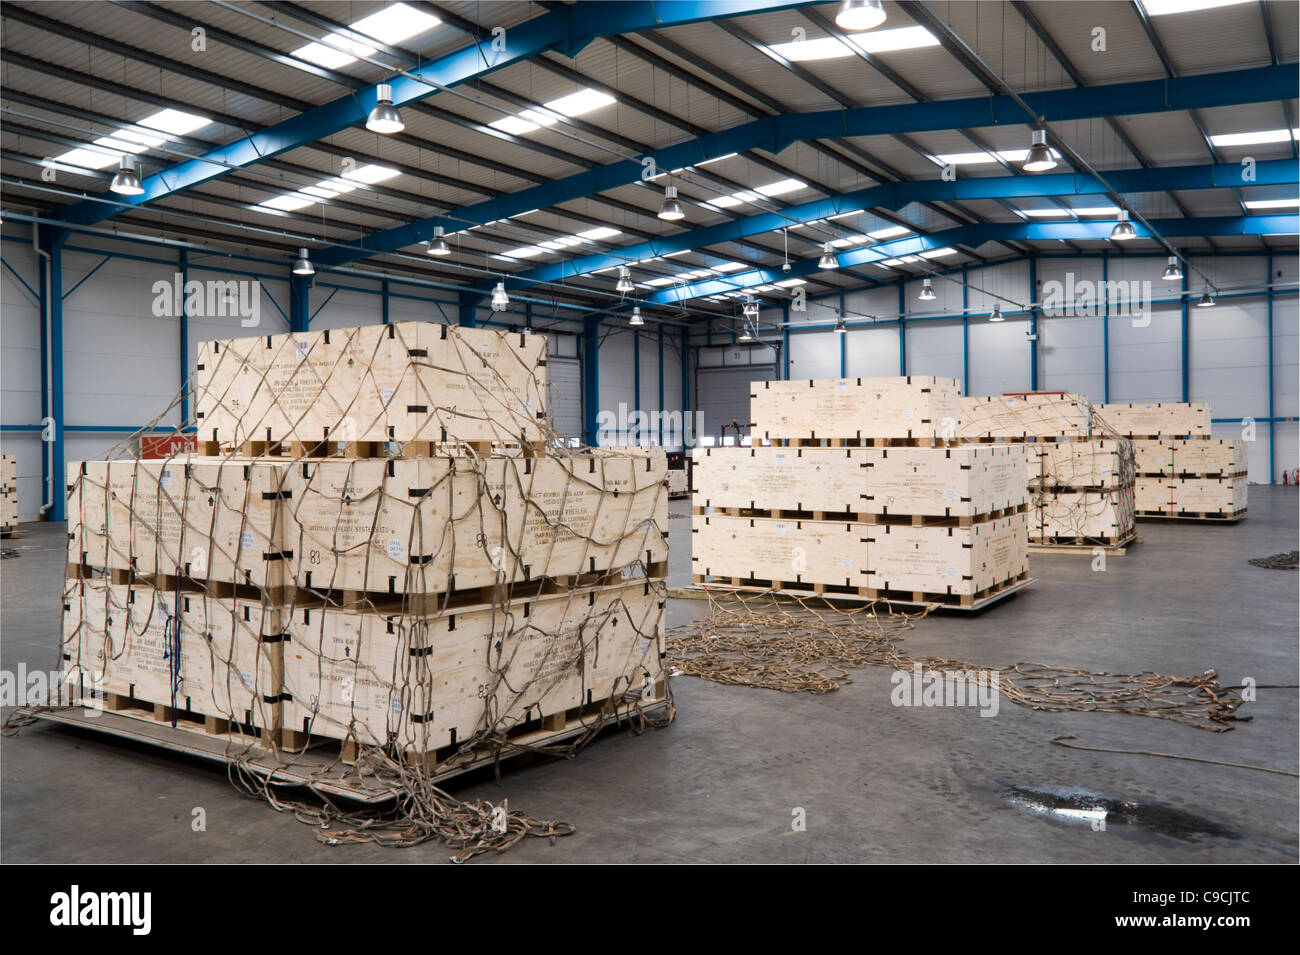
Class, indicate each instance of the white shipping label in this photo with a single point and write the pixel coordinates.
(846, 561)
(951, 494)
(841, 386)
(165, 480)
(953, 572)
(302, 346)
(778, 528)
(386, 395)
(395, 549)
(246, 540)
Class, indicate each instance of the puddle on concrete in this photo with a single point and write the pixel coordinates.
(1081, 807)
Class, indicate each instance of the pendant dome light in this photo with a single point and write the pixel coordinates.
(500, 300)
(828, 260)
(1040, 157)
(1172, 272)
(670, 210)
(636, 318)
(745, 336)
(858, 15)
(751, 308)
(384, 117)
(927, 290)
(785, 235)
(438, 245)
(303, 266)
(839, 326)
(126, 181)
(1123, 230)
(996, 316)
(624, 281)
(1206, 300)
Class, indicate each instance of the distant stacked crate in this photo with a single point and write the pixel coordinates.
(1082, 489)
(8, 495)
(491, 585)
(869, 501)
(1182, 471)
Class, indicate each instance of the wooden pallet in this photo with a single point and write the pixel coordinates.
(812, 441)
(1112, 547)
(11, 534)
(1205, 517)
(861, 517)
(318, 767)
(362, 450)
(964, 602)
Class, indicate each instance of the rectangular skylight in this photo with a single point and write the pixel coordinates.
(938, 253)
(728, 267)
(87, 158)
(514, 125)
(371, 174)
(1095, 210)
(981, 158)
(705, 162)
(1256, 138)
(1160, 8)
(289, 202)
(1045, 213)
(1272, 203)
(393, 24)
(669, 280)
(525, 252)
(791, 283)
(877, 41)
(781, 187)
(575, 104)
(845, 215)
(601, 232)
(889, 233)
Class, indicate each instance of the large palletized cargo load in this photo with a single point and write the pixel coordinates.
(8, 494)
(1159, 419)
(916, 408)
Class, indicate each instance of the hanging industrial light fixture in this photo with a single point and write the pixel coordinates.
(670, 209)
(438, 245)
(1123, 230)
(1206, 300)
(303, 266)
(751, 308)
(856, 15)
(384, 117)
(1040, 157)
(1172, 272)
(996, 315)
(828, 260)
(624, 281)
(636, 318)
(839, 326)
(126, 181)
(500, 300)
(745, 336)
(927, 290)
(785, 234)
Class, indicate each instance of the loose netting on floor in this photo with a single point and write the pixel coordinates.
(797, 645)
(381, 567)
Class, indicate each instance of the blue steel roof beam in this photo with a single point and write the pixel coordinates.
(977, 234)
(1161, 179)
(1154, 39)
(567, 29)
(1287, 116)
(777, 132)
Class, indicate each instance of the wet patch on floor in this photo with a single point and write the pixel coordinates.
(1080, 807)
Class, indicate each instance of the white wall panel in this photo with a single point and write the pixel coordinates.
(1228, 352)
(815, 354)
(20, 374)
(871, 351)
(935, 348)
(1071, 356)
(344, 308)
(617, 372)
(999, 357)
(1146, 363)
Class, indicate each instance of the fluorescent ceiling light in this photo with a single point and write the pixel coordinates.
(526, 252)
(289, 202)
(1256, 138)
(371, 174)
(85, 158)
(781, 187)
(938, 253)
(878, 41)
(845, 215)
(1272, 203)
(175, 122)
(514, 125)
(791, 283)
(1160, 8)
(602, 232)
(1044, 213)
(583, 101)
(705, 162)
(664, 281)
(889, 233)
(390, 25)
(1095, 210)
(981, 158)
(728, 267)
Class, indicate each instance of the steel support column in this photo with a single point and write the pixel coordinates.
(299, 303)
(52, 241)
(185, 339)
(1185, 350)
(1033, 323)
(590, 380)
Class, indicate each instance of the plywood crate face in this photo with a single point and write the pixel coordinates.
(1024, 416)
(1155, 419)
(217, 519)
(1084, 515)
(832, 553)
(115, 640)
(429, 525)
(431, 682)
(961, 561)
(780, 479)
(1153, 455)
(8, 492)
(1209, 495)
(405, 381)
(8, 471)
(1091, 463)
(1208, 457)
(951, 482)
(1154, 495)
(855, 408)
(677, 482)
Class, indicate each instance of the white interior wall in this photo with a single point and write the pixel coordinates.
(20, 373)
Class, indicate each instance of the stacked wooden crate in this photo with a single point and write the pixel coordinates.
(1182, 470)
(1081, 488)
(872, 502)
(489, 586)
(8, 495)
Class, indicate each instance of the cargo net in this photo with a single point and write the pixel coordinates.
(378, 622)
(772, 643)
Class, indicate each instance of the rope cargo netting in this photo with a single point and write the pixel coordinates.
(488, 592)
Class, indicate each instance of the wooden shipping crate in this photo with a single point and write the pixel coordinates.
(1208, 457)
(431, 525)
(1153, 456)
(961, 481)
(430, 682)
(855, 409)
(961, 561)
(1154, 495)
(8, 470)
(1154, 419)
(207, 518)
(1091, 463)
(405, 381)
(829, 480)
(1080, 516)
(678, 484)
(116, 640)
(1208, 495)
(1024, 416)
(831, 553)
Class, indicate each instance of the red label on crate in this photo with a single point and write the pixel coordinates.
(165, 445)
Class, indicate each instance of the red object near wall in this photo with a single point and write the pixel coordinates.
(165, 445)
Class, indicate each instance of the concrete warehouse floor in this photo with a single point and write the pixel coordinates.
(878, 783)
